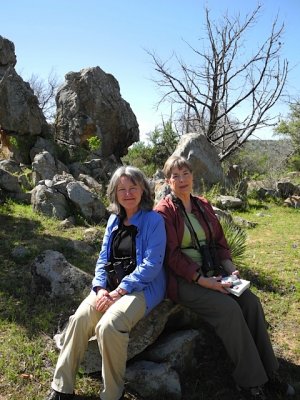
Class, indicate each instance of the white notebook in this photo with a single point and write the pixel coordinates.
(239, 288)
(238, 285)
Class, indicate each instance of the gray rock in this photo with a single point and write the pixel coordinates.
(49, 202)
(92, 235)
(159, 175)
(222, 214)
(91, 183)
(68, 223)
(60, 182)
(152, 380)
(41, 145)
(177, 349)
(150, 328)
(10, 166)
(292, 201)
(9, 182)
(98, 168)
(263, 192)
(7, 53)
(64, 279)
(230, 202)
(88, 203)
(161, 189)
(89, 104)
(286, 189)
(204, 158)
(20, 115)
(25, 182)
(242, 222)
(45, 166)
(145, 333)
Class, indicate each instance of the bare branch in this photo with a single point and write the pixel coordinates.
(227, 80)
(45, 93)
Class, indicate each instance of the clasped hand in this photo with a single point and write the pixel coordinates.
(105, 299)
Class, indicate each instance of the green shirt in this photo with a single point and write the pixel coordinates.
(186, 244)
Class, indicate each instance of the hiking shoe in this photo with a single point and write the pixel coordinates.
(252, 393)
(54, 395)
(276, 385)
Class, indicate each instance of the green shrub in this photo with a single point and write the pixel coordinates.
(94, 143)
(151, 157)
(236, 238)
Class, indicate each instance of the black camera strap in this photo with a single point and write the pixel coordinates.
(194, 237)
(195, 240)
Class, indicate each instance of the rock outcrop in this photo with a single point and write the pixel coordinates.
(21, 118)
(89, 104)
(201, 154)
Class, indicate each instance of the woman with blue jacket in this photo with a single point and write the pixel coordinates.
(129, 282)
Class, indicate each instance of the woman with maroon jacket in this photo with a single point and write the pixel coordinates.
(196, 258)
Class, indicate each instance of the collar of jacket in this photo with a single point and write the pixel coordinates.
(136, 219)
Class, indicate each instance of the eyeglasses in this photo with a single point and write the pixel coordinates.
(124, 191)
(179, 177)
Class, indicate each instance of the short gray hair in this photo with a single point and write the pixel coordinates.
(138, 178)
(176, 162)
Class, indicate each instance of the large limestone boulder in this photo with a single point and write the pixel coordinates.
(21, 118)
(89, 104)
(19, 109)
(7, 53)
(203, 157)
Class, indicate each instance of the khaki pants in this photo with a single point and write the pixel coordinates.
(240, 324)
(112, 331)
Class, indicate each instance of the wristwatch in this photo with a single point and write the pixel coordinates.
(121, 291)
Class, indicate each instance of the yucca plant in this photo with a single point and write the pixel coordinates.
(236, 238)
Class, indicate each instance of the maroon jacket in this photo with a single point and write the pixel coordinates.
(177, 262)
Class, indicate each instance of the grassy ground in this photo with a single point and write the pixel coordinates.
(273, 259)
(28, 320)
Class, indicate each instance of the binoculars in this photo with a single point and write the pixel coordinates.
(117, 270)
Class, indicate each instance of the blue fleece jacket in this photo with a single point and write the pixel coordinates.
(149, 274)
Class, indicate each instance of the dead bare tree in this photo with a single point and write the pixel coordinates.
(45, 91)
(229, 94)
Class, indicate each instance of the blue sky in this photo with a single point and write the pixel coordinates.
(68, 35)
